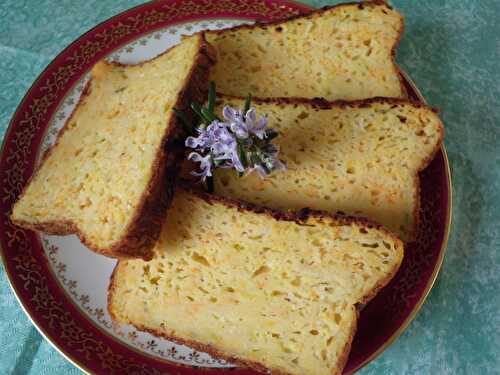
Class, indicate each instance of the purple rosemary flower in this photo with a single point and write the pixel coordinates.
(235, 121)
(245, 125)
(205, 165)
(242, 141)
(254, 125)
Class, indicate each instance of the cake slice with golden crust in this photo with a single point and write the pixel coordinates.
(109, 177)
(265, 289)
(341, 52)
(361, 158)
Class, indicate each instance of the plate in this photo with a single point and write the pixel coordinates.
(62, 286)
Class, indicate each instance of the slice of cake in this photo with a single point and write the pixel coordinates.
(109, 176)
(361, 158)
(273, 291)
(341, 52)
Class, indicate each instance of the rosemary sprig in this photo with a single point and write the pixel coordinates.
(238, 141)
(248, 101)
(211, 97)
(184, 120)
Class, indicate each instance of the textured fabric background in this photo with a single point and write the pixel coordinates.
(452, 51)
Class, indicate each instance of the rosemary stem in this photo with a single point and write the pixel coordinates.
(210, 184)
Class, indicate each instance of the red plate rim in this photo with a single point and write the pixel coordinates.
(41, 297)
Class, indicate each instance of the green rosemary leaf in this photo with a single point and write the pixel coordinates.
(195, 106)
(211, 97)
(248, 100)
(210, 184)
(207, 115)
(184, 120)
(242, 155)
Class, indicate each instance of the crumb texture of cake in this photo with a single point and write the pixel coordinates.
(263, 289)
(345, 52)
(360, 158)
(103, 179)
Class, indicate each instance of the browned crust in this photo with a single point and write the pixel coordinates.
(320, 103)
(347, 347)
(313, 13)
(301, 217)
(319, 12)
(144, 228)
(372, 293)
(395, 66)
(210, 350)
(423, 165)
(214, 352)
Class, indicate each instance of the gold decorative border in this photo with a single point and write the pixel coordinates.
(83, 302)
(54, 311)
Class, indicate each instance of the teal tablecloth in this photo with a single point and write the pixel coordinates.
(452, 51)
